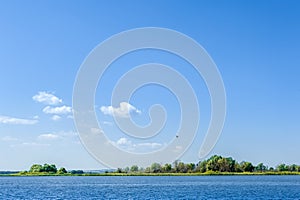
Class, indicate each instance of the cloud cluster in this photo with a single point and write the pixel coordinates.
(123, 110)
(52, 107)
(13, 120)
(47, 98)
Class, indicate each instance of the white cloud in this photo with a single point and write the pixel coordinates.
(56, 117)
(107, 123)
(48, 136)
(124, 141)
(9, 139)
(60, 135)
(47, 98)
(123, 111)
(70, 117)
(96, 131)
(151, 145)
(139, 147)
(57, 110)
(12, 120)
(67, 133)
(32, 144)
(177, 148)
(51, 99)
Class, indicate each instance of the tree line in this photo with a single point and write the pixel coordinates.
(51, 169)
(215, 163)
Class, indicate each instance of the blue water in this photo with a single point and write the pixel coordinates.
(155, 187)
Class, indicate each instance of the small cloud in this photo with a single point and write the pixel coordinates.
(96, 131)
(70, 117)
(47, 98)
(57, 110)
(13, 120)
(122, 111)
(151, 145)
(107, 123)
(177, 148)
(139, 147)
(56, 117)
(124, 141)
(9, 139)
(48, 136)
(58, 135)
(67, 133)
(36, 117)
(34, 144)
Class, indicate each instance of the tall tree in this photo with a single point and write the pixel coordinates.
(261, 167)
(167, 168)
(247, 166)
(62, 170)
(282, 167)
(134, 168)
(36, 168)
(212, 163)
(155, 168)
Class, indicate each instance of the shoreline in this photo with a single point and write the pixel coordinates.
(210, 173)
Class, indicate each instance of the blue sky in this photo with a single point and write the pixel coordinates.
(255, 45)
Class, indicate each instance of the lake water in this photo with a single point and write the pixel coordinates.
(154, 187)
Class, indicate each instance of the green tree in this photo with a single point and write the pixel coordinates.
(49, 168)
(155, 168)
(231, 162)
(226, 164)
(182, 167)
(282, 167)
(201, 166)
(167, 168)
(62, 170)
(212, 163)
(190, 167)
(77, 172)
(237, 167)
(293, 168)
(134, 168)
(247, 166)
(261, 167)
(223, 165)
(119, 170)
(148, 170)
(175, 164)
(126, 170)
(36, 168)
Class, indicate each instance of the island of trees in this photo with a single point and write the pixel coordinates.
(47, 169)
(215, 165)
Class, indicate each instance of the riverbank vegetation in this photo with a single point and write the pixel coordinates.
(215, 165)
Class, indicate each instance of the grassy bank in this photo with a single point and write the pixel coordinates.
(209, 173)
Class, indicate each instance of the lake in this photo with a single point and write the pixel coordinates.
(151, 187)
